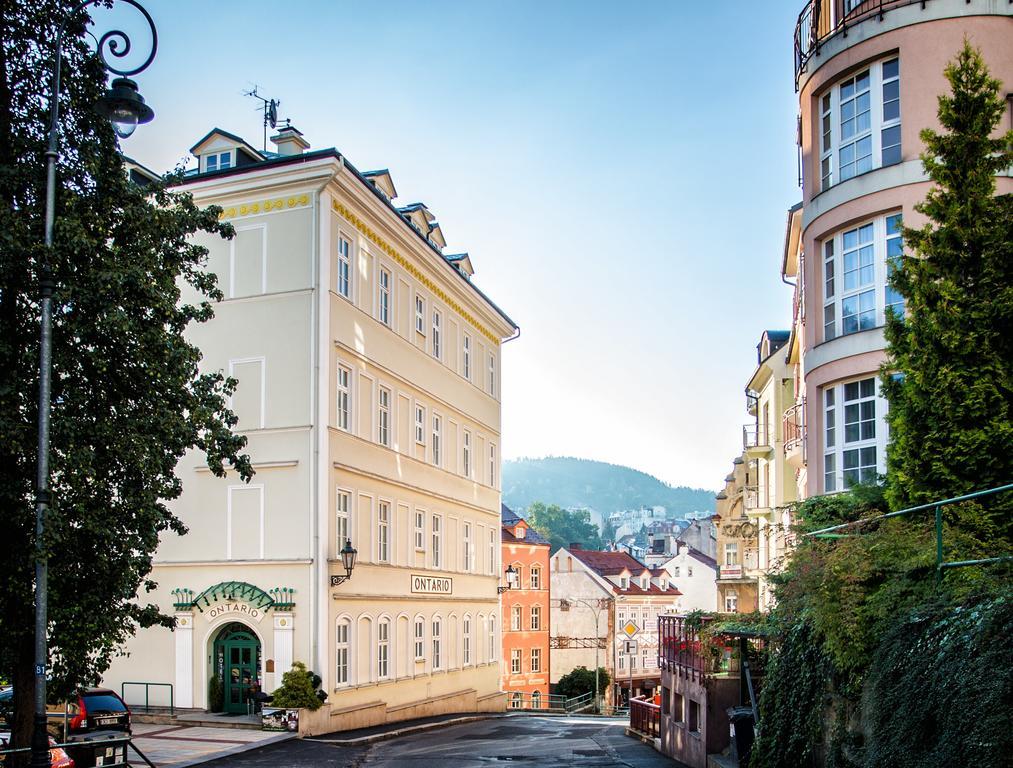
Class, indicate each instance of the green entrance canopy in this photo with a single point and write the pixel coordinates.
(233, 590)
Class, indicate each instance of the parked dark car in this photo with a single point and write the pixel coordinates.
(91, 717)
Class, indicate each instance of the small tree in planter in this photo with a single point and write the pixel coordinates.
(216, 694)
(299, 689)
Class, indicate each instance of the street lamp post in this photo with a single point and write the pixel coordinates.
(125, 108)
(596, 607)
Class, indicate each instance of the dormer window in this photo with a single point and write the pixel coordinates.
(624, 582)
(664, 584)
(217, 161)
(645, 583)
(519, 532)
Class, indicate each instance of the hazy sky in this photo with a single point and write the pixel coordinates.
(619, 172)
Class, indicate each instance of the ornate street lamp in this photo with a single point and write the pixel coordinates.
(511, 580)
(123, 105)
(348, 553)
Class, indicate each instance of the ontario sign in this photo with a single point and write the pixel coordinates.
(431, 585)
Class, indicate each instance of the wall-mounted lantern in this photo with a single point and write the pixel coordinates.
(511, 580)
(348, 553)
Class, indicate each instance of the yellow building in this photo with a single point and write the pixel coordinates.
(369, 388)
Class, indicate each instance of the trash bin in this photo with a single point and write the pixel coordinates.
(741, 719)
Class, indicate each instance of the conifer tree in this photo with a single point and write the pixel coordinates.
(949, 374)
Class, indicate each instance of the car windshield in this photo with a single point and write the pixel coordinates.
(102, 702)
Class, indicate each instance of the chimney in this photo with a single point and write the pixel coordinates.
(289, 141)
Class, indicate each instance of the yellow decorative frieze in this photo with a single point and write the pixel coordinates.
(264, 206)
(411, 269)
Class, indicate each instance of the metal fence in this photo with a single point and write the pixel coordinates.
(113, 752)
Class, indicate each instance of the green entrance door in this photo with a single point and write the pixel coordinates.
(237, 656)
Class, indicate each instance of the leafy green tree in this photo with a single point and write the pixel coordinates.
(563, 527)
(128, 397)
(949, 376)
(581, 681)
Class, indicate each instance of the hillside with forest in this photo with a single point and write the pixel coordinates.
(605, 488)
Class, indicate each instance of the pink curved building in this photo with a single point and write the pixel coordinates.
(868, 75)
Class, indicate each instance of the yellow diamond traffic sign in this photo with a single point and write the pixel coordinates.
(630, 628)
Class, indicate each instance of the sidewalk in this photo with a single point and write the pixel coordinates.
(179, 746)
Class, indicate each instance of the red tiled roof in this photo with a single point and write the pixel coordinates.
(635, 590)
(609, 563)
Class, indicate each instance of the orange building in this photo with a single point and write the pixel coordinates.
(525, 601)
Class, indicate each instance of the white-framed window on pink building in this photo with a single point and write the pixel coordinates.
(854, 434)
(859, 123)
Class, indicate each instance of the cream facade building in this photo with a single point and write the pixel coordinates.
(369, 372)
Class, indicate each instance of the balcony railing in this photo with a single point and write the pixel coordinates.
(791, 425)
(754, 497)
(822, 19)
(755, 436)
(645, 717)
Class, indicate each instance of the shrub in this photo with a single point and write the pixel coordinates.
(216, 695)
(298, 689)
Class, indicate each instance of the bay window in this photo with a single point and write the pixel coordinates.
(856, 266)
(854, 434)
(859, 123)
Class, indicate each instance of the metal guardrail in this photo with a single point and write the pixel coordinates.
(937, 506)
(119, 746)
(822, 19)
(147, 707)
(550, 702)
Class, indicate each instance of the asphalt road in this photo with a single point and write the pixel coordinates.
(506, 741)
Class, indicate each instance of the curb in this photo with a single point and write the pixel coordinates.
(375, 737)
(238, 749)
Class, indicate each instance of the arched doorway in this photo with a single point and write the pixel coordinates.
(236, 659)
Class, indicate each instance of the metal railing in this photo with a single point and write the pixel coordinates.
(119, 748)
(937, 507)
(147, 707)
(755, 436)
(791, 425)
(754, 497)
(548, 702)
(822, 19)
(645, 717)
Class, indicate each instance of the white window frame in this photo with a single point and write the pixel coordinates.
(383, 508)
(419, 638)
(345, 408)
(383, 406)
(420, 530)
(492, 465)
(383, 649)
(892, 300)
(420, 424)
(218, 157)
(516, 661)
(385, 293)
(838, 426)
(535, 660)
(535, 619)
(492, 374)
(420, 314)
(437, 642)
(850, 245)
(731, 553)
(466, 357)
(466, 453)
(535, 577)
(468, 560)
(493, 644)
(491, 565)
(830, 106)
(437, 345)
(436, 533)
(516, 618)
(344, 274)
(342, 517)
(343, 652)
(731, 602)
(466, 640)
(437, 444)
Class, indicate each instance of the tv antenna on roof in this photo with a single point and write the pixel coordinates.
(270, 108)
